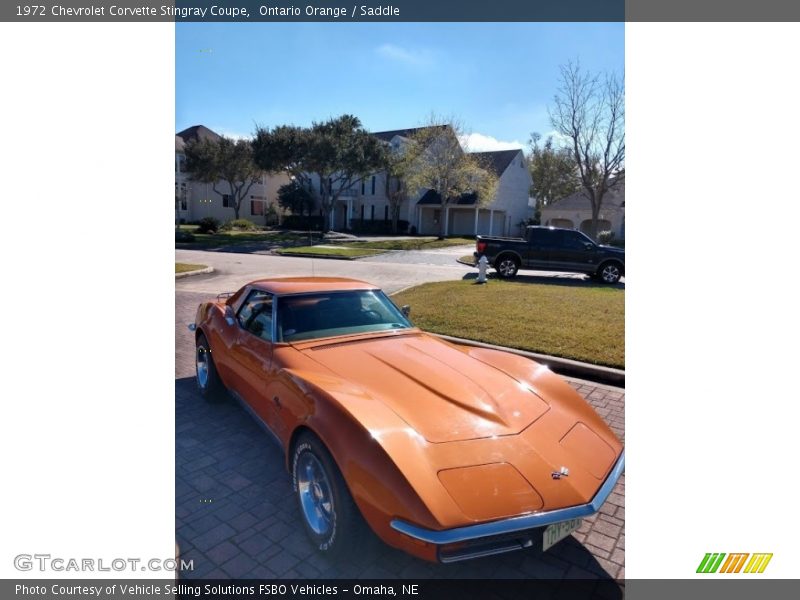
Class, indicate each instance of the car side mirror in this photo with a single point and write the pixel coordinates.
(589, 246)
(230, 318)
(406, 310)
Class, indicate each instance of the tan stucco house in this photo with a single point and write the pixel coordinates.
(575, 212)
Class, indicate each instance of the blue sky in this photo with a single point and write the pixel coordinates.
(497, 78)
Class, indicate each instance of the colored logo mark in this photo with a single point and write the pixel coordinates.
(734, 563)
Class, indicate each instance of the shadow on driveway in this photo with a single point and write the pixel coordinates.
(554, 279)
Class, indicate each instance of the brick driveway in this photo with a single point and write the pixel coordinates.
(236, 515)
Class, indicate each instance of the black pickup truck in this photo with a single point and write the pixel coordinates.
(552, 249)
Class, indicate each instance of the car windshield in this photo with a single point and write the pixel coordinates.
(328, 314)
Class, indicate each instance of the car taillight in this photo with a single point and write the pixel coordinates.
(480, 246)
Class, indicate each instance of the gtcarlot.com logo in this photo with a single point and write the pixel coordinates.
(742, 562)
(46, 562)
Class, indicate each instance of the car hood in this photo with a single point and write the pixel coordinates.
(441, 392)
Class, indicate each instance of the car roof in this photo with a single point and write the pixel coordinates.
(304, 285)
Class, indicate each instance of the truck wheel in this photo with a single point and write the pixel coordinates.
(609, 272)
(507, 266)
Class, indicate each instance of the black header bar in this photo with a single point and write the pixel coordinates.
(247, 11)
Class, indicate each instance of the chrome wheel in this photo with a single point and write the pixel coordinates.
(507, 267)
(316, 496)
(201, 365)
(610, 274)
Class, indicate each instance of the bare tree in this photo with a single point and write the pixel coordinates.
(436, 161)
(395, 165)
(554, 172)
(589, 113)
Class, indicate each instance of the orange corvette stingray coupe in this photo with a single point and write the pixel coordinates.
(447, 452)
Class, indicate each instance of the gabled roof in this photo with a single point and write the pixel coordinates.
(388, 136)
(497, 160)
(196, 132)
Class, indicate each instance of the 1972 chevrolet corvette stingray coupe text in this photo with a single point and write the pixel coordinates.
(447, 452)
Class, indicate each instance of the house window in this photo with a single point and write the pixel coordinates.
(226, 201)
(362, 212)
(386, 213)
(257, 206)
(372, 213)
(437, 214)
(373, 185)
(320, 186)
(363, 186)
(184, 204)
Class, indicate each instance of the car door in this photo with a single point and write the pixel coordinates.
(251, 351)
(541, 244)
(576, 253)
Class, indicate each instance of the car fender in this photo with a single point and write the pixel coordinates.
(383, 461)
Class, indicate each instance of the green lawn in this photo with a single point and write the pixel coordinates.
(413, 244)
(226, 238)
(583, 322)
(184, 267)
(332, 252)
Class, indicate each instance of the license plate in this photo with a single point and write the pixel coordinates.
(558, 531)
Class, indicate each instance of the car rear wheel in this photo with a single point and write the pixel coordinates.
(330, 516)
(208, 381)
(507, 266)
(609, 273)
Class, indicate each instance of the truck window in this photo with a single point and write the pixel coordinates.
(546, 237)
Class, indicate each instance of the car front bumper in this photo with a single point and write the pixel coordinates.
(509, 534)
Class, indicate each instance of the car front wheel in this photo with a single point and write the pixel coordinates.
(208, 381)
(610, 273)
(329, 513)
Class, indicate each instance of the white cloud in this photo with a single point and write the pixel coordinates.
(414, 58)
(234, 135)
(477, 142)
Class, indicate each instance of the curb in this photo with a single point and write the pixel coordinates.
(463, 262)
(562, 366)
(197, 272)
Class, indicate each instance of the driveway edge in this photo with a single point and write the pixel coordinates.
(196, 272)
(563, 366)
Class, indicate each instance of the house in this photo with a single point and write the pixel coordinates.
(196, 200)
(501, 217)
(367, 201)
(575, 212)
